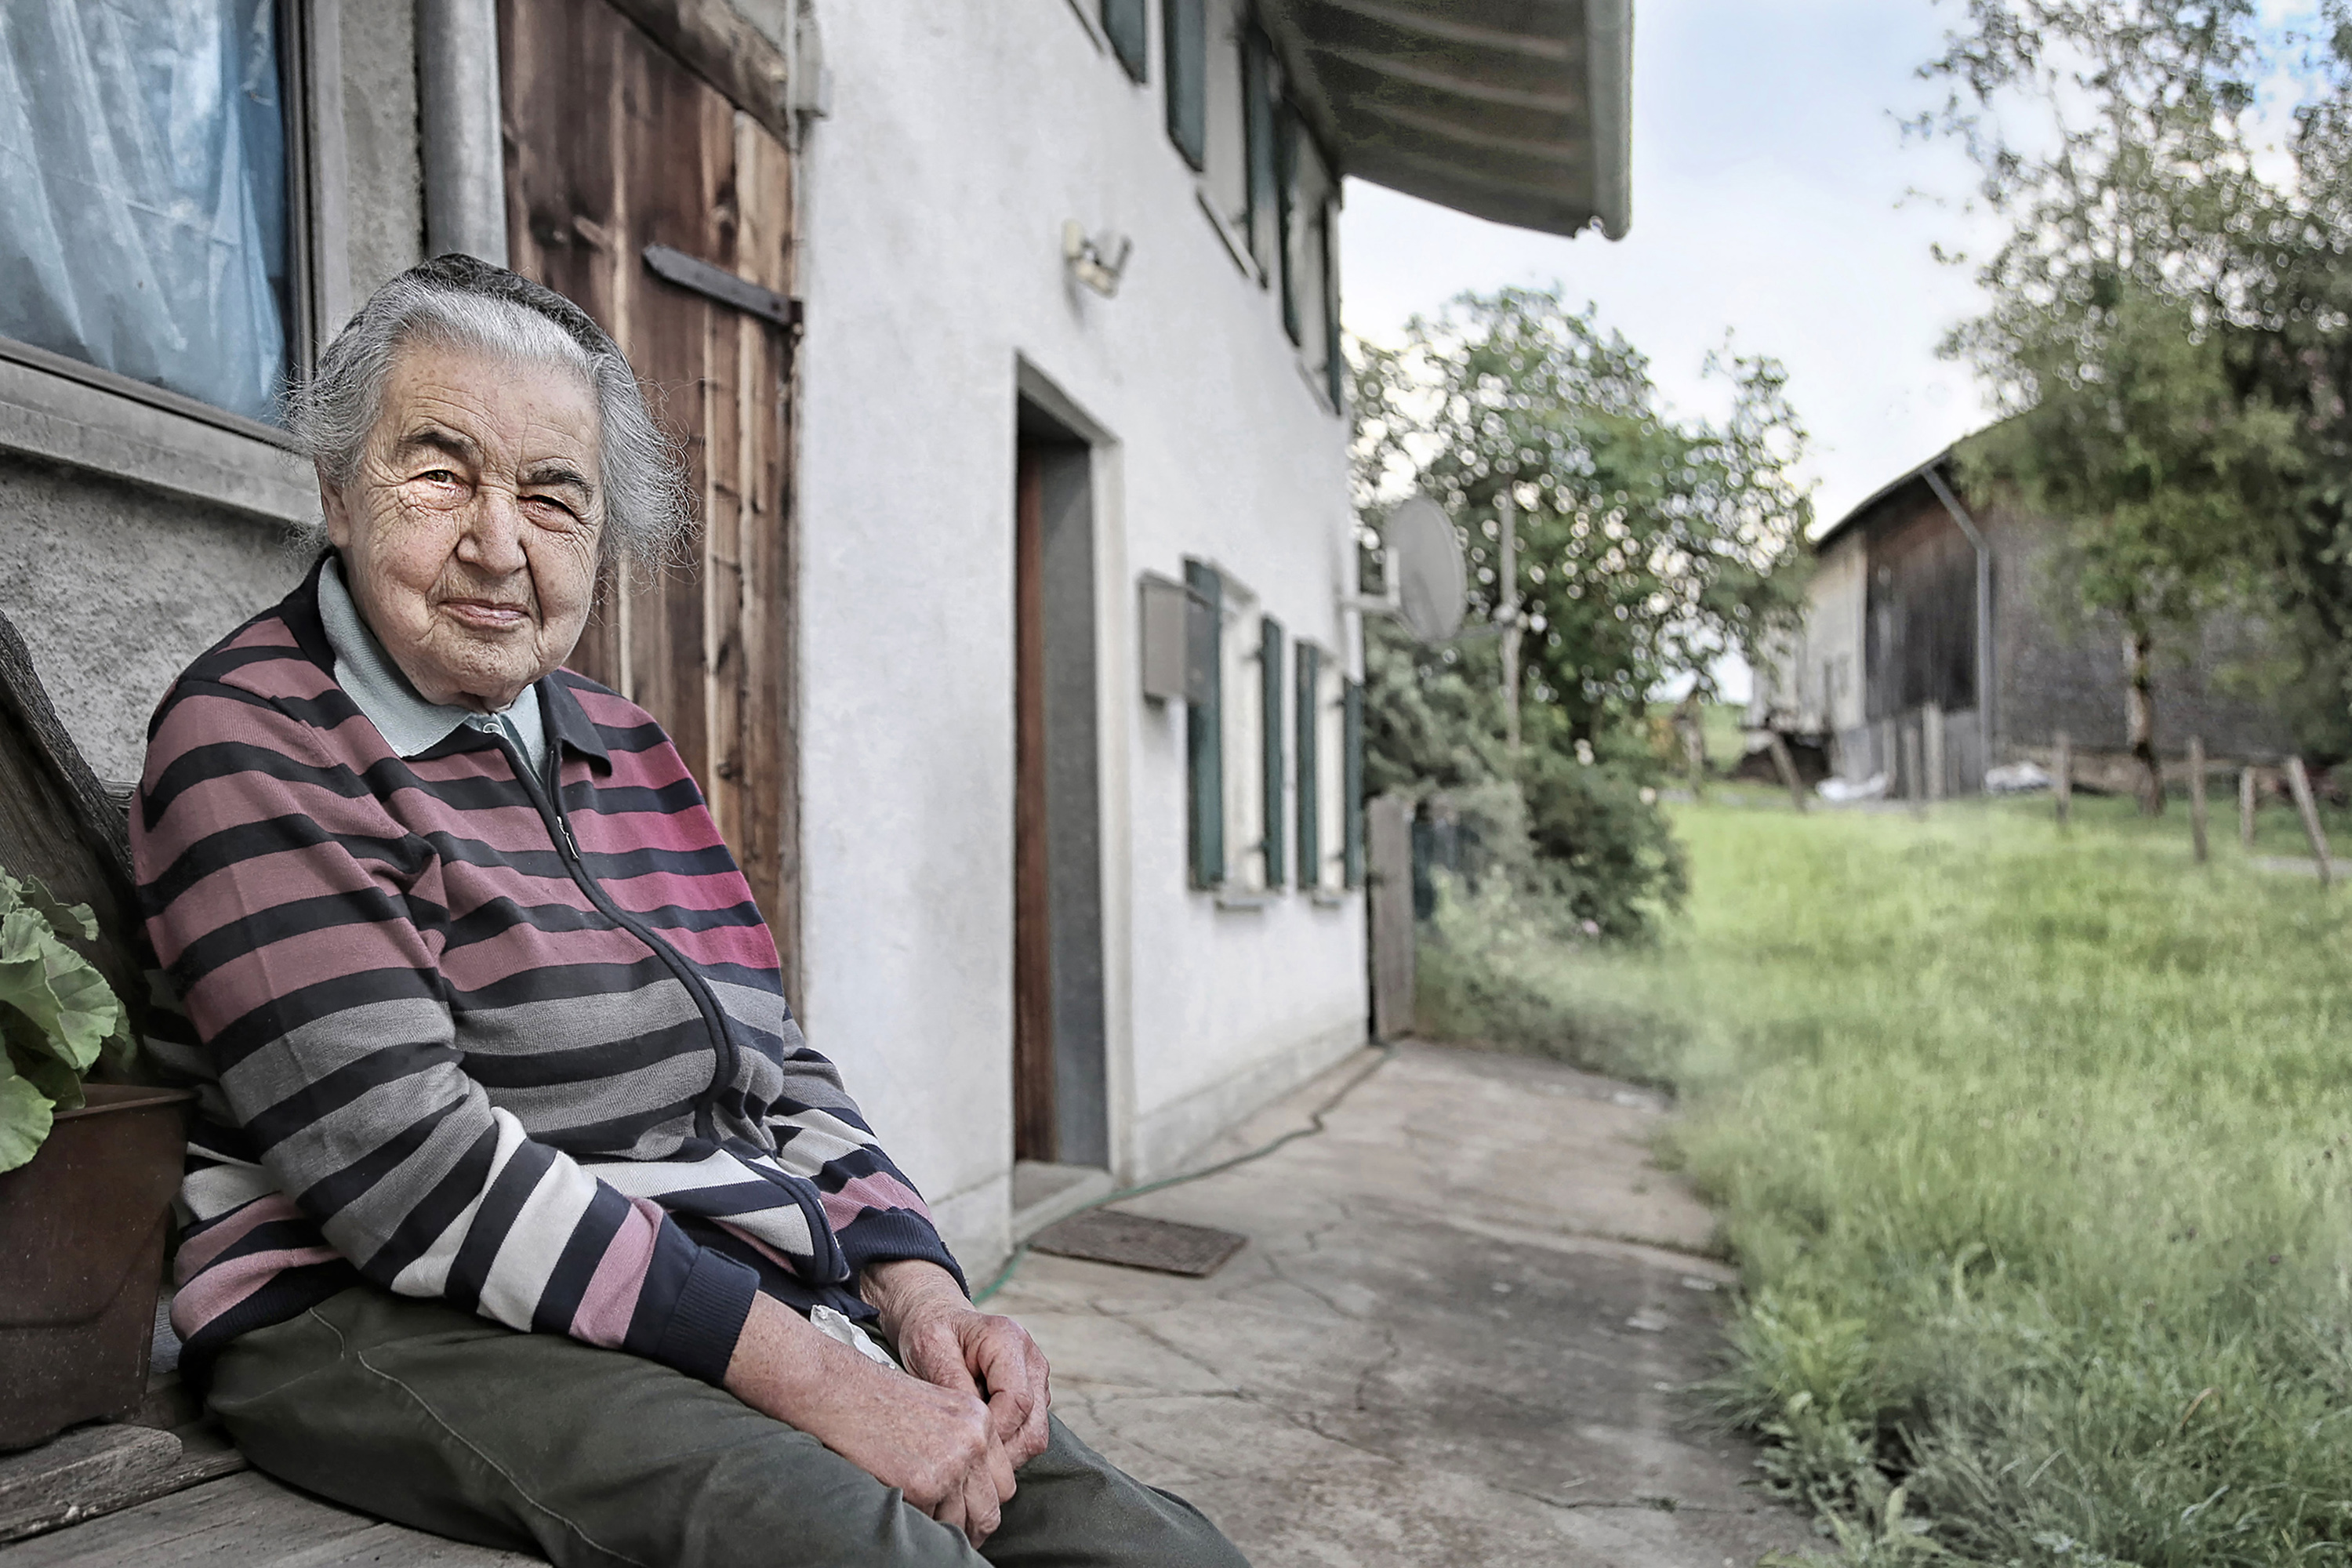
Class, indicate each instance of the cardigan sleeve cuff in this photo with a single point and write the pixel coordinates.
(707, 1316)
(889, 1235)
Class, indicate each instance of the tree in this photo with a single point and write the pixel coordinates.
(2118, 300)
(1648, 547)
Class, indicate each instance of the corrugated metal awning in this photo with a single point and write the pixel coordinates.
(1515, 111)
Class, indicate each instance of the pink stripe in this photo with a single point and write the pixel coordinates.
(309, 958)
(246, 887)
(611, 1298)
(621, 832)
(749, 946)
(228, 1230)
(756, 1245)
(614, 712)
(880, 1190)
(272, 632)
(210, 1294)
(670, 890)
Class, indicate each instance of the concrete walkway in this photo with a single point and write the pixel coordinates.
(1459, 1336)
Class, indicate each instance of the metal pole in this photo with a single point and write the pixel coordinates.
(1959, 514)
(1508, 612)
(465, 161)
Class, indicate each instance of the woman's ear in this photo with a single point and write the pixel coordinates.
(331, 506)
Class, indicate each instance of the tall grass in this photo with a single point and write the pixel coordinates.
(2034, 1149)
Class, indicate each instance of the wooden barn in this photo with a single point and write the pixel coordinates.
(1936, 644)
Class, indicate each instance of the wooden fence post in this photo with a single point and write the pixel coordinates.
(2300, 783)
(1388, 843)
(2062, 777)
(1931, 728)
(2246, 806)
(2196, 796)
(1915, 769)
(1786, 764)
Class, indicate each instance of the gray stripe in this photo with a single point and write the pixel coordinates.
(553, 1108)
(301, 1057)
(570, 1022)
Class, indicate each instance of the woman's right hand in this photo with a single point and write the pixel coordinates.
(936, 1446)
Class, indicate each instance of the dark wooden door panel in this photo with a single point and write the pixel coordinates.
(612, 145)
(1035, 1128)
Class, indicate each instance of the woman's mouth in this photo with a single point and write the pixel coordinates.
(486, 615)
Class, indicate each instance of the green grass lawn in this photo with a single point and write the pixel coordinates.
(2033, 1148)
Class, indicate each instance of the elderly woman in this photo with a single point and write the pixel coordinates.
(519, 1209)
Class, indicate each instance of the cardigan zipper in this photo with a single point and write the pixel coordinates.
(550, 806)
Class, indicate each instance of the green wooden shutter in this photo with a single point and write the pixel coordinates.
(1204, 740)
(1127, 24)
(1187, 55)
(1257, 137)
(1354, 804)
(1269, 656)
(1311, 779)
(1334, 366)
(1285, 198)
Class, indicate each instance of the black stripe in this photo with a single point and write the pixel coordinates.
(559, 1303)
(282, 1015)
(323, 1096)
(422, 1226)
(330, 1195)
(494, 1221)
(259, 928)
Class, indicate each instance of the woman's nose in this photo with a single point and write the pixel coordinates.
(493, 538)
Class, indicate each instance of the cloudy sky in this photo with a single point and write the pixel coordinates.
(1774, 197)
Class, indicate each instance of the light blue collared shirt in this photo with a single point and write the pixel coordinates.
(408, 724)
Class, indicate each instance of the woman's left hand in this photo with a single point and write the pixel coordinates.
(944, 1339)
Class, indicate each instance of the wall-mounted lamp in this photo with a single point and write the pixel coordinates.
(1097, 260)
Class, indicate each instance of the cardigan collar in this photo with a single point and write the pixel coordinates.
(329, 628)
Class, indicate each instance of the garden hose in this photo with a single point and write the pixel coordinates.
(1387, 1049)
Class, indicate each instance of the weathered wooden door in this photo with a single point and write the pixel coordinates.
(1035, 1130)
(614, 146)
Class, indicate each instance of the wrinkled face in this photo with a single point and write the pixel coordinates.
(469, 534)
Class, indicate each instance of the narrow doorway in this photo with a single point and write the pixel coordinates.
(1060, 1112)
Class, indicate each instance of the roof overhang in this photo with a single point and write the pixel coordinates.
(1517, 110)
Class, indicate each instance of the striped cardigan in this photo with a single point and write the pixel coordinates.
(457, 1037)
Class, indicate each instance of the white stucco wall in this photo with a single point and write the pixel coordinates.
(959, 140)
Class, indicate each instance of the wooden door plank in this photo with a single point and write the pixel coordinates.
(1035, 1128)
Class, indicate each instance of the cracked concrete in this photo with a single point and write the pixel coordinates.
(1463, 1332)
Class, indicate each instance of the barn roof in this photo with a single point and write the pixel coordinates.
(1862, 509)
(1517, 110)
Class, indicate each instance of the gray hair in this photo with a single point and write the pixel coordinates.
(460, 302)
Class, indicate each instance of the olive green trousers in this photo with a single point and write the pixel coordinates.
(431, 1418)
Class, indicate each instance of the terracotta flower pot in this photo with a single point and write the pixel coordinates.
(81, 1260)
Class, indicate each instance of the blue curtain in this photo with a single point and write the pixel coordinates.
(142, 192)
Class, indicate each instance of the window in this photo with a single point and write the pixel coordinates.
(147, 225)
(1186, 48)
(1330, 775)
(1224, 170)
(1125, 23)
(1307, 708)
(1260, 98)
(1272, 854)
(1311, 286)
(1233, 742)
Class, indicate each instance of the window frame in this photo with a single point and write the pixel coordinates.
(60, 409)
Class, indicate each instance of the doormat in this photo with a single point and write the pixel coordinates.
(1136, 1242)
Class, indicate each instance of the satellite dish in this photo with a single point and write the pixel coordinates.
(1425, 569)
